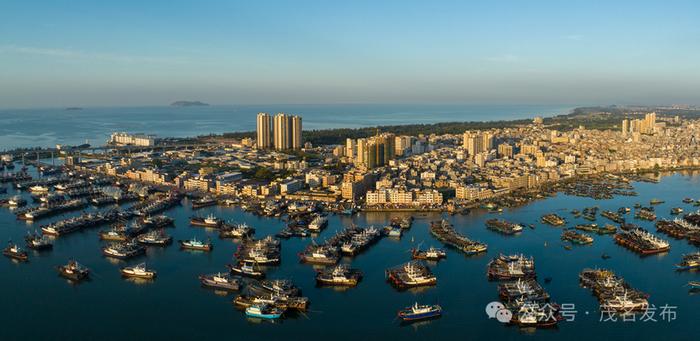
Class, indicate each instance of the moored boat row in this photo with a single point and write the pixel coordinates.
(445, 232)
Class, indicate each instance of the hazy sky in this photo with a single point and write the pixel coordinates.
(137, 52)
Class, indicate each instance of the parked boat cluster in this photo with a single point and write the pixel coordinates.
(445, 232)
(503, 226)
(613, 293)
(595, 228)
(642, 241)
(527, 300)
(576, 237)
(410, 275)
(553, 219)
(509, 267)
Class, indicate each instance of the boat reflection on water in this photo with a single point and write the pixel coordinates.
(115, 261)
(139, 280)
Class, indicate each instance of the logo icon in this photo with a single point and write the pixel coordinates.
(498, 311)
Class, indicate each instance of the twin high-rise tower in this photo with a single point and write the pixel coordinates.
(281, 131)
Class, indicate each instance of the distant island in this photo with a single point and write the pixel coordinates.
(188, 104)
(74, 108)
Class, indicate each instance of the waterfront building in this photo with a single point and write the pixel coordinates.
(124, 139)
(264, 123)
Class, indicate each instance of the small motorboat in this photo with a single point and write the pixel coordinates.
(264, 311)
(195, 244)
(13, 251)
(694, 285)
(420, 312)
(74, 271)
(138, 271)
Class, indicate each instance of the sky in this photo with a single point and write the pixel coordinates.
(132, 52)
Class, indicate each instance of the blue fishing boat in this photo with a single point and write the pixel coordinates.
(420, 312)
(264, 311)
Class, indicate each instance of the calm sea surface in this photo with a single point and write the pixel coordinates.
(48, 127)
(37, 304)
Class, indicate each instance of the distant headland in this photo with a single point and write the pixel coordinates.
(188, 104)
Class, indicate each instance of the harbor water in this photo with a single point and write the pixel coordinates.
(38, 304)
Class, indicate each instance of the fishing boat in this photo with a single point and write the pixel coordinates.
(676, 210)
(116, 233)
(158, 221)
(195, 244)
(203, 202)
(37, 241)
(247, 269)
(553, 219)
(689, 261)
(155, 237)
(522, 289)
(13, 251)
(277, 287)
(16, 201)
(220, 281)
(38, 189)
(393, 231)
(74, 271)
(645, 213)
(534, 314)
(605, 229)
(241, 230)
(339, 275)
(208, 221)
(433, 254)
(694, 285)
(320, 254)
(318, 223)
(624, 303)
(616, 217)
(418, 312)
(504, 227)
(445, 232)
(509, 267)
(138, 271)
(264, 311)
(656, 201)
(123, 250)
(642, 242)
(411, 274)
